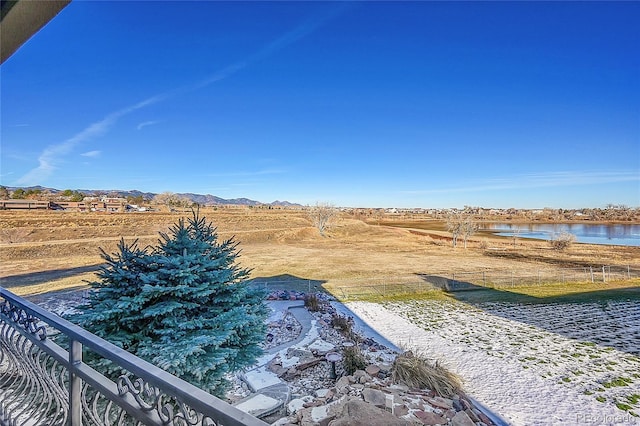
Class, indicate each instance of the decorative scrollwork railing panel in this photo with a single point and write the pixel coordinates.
(44, 383)
(32, 383)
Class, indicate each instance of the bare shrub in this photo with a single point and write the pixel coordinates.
(14, 235)
(312, 303)
(342, 323)
(439, 243)
(484, 244)
(352, 359)
(562, 241)
(416, 371)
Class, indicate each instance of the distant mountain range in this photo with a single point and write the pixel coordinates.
(212, 200)
(206, 200)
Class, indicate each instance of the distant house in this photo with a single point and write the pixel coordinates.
(66, 205)
(24, 205)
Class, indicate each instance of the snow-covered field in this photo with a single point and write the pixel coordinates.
(546, 364)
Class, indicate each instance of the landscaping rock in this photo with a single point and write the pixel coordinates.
(462, 419)
(368, 397)
(372, 370)
(342, 384)
(297, 404)
(440, 402)
(375, 397)
(429, 418)
(356, 412)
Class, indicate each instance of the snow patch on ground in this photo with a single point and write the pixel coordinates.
(260, 378)
(526, 372)
(257, 404)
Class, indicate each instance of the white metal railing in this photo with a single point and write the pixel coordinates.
(42, 383)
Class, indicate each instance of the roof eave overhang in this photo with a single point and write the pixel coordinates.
(21, 19)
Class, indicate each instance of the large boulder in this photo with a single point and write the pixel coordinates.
(356, 412)
(375, 397)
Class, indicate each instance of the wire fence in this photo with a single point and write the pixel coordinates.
(359, 288)
(504, 279)
(290, 286)
(388, 287)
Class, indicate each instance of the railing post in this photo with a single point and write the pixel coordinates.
(75, 384)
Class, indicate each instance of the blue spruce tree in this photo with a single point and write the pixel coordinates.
(184, 305)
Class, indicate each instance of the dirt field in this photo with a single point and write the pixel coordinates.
(44, 251)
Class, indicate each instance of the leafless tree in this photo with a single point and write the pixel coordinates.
(171, 199)
(166, 198)
(454, 225)
(461, 226)
(515, 233)
(322, 216)
(468, 227)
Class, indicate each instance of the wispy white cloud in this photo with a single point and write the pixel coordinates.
(91, 154)
(50, 159)
(537, 180)
(146, 123)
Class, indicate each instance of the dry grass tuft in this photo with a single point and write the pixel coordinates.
(416, 371)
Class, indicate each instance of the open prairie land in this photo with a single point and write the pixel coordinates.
(42, 251)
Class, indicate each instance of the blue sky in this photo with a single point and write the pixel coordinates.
(368, 104)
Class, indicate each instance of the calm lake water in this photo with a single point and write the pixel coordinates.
(621, 235)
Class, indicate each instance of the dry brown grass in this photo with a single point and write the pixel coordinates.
(278, 242)
(414, 370)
